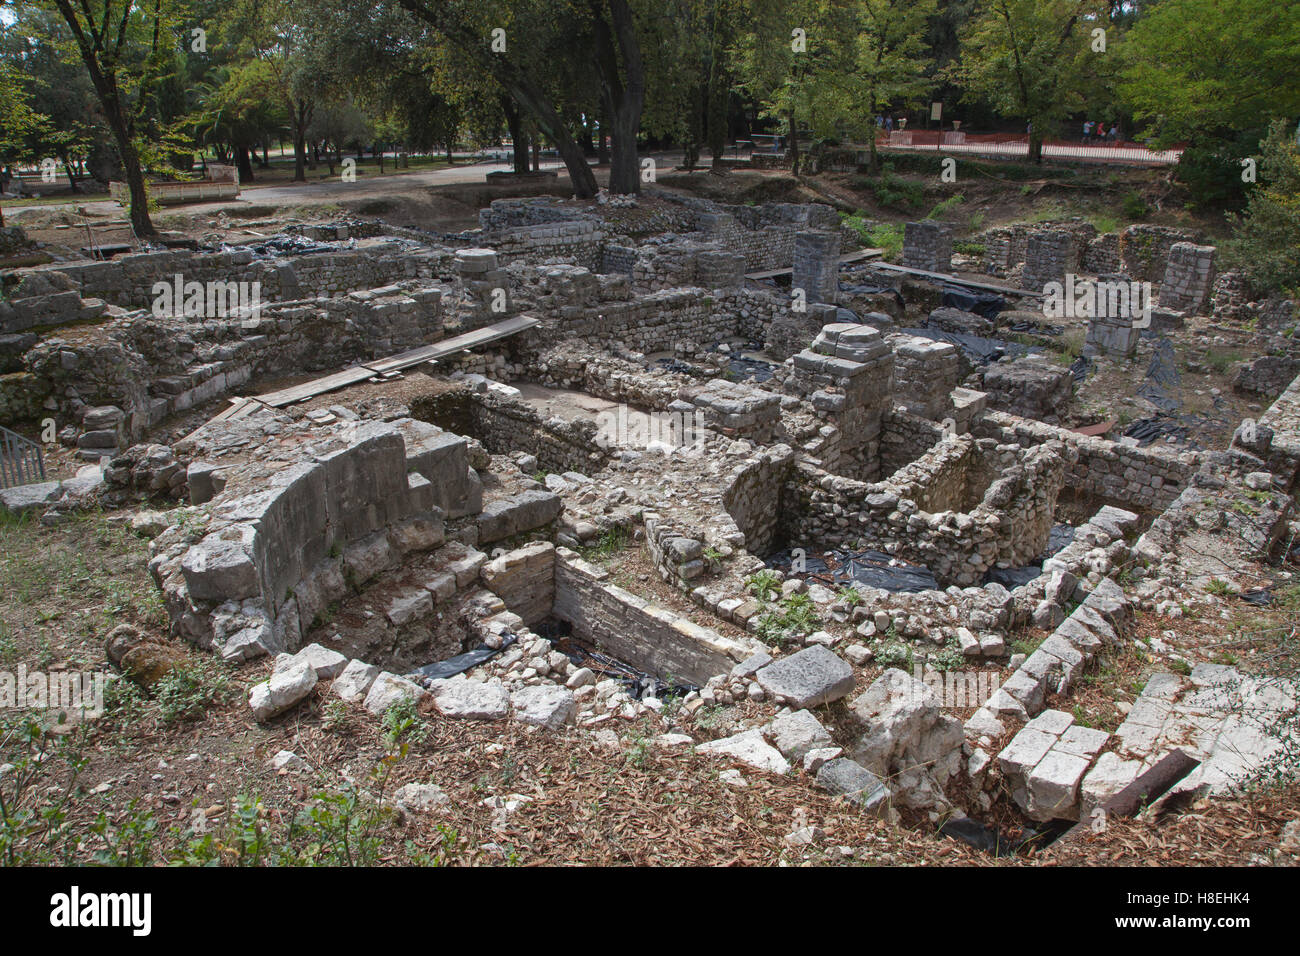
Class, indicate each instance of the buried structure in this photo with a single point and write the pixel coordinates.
(575, 468)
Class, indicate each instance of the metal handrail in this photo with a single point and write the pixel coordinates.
(21, 460)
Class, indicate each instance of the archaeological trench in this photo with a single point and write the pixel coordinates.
(654, 484)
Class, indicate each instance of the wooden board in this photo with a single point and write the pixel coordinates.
(381, 369)
(845, 259)
(957, 280)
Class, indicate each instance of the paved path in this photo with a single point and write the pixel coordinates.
(369, 186)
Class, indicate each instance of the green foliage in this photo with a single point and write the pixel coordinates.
(948, 658)
(1031, 59)
(402, 723)
(1200, 68)
(788, 623)
(895, 654)
(186, 692)
(1135, 207)
(764, 585)
(888, 237)
(1266, 239)
(946, 206)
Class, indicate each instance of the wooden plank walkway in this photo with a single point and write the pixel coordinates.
(380, 368)
(957, 280)
(848, 257)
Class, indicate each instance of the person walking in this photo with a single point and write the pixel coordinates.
(1087, 131)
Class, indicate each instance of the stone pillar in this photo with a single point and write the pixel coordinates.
(848, 376)
(817, 265)
(1188, 277)
(1111, 335)
(928, 245)
(925, 373)
(484, 287)
(1049, 255)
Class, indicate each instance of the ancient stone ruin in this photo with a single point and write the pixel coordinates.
(576, 435)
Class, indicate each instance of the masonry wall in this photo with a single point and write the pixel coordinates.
(647, 636)
(128, 280)
(1144, 478)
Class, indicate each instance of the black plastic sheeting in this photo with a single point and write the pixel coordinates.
(1261, 597)
(1162, 379)
(868, 568)
(977, 348)
(1081, 368)
(1011, 578)
(637, 684)
(1147, 430)
(287, 244)
(987, 304)
(870, 288)
(990, 840)
(463, 662)
(750, 370)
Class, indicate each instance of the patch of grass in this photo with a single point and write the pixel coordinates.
(764, 585)
(187, 692)
(945, 206)
(888, 237)
(611, 542)
(895, 654)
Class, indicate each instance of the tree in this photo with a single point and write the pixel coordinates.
(1266, 240)
(17, 118)
(552, 42)
(774, 64)
(1213, 74)
(892, 57)
(118, 44)
(1032, 59)
(272, 32)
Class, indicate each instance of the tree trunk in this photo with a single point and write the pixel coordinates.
(266, 154)
(793, 145)
(299, 156)
(622, 91)
(71, 171)
(1035, 145)
(518, 139)
(244, 164)
(537, 154)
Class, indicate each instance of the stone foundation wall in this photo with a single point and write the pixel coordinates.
(278, 546)
(753, 497)
(649, 637)
(151, 367)
(928, 245)
(1008, 528)
(504, 425)
(1144, 250)
(128, 280)
(1188, 277)
(925, 373)
(1145, 478)
(1030, 389)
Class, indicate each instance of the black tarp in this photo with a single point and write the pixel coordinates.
(1011, 578)
(987, 304)
(977, 348)
(463, 662)
(868, 568)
